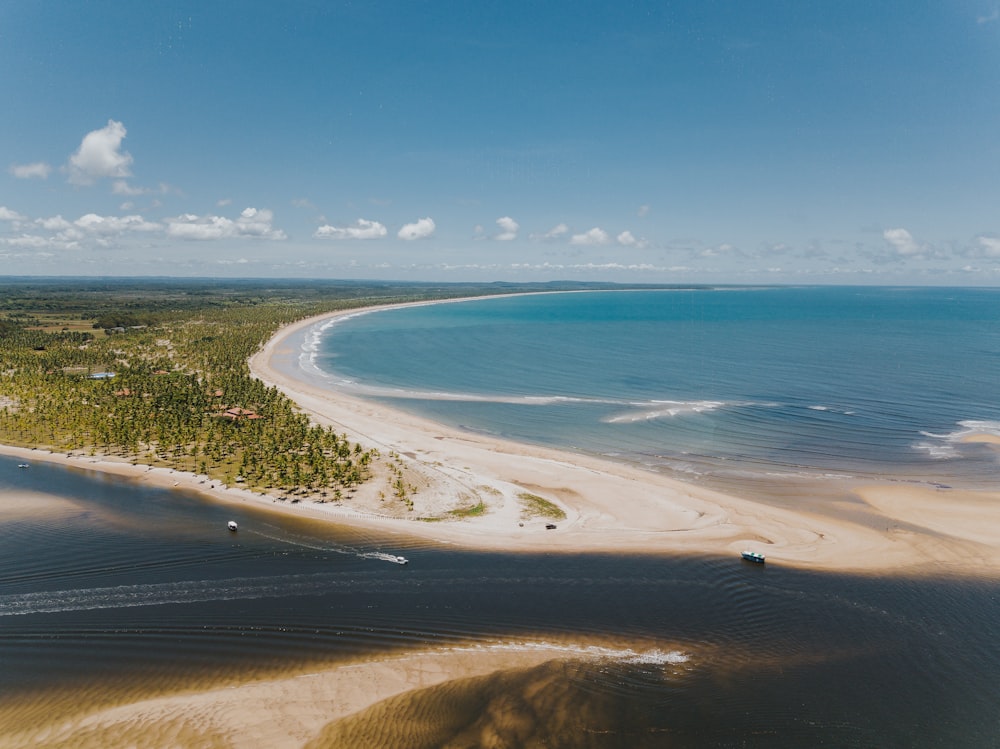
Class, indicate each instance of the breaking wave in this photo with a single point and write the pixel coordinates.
(949, 445)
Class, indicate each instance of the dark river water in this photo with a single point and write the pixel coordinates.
(108, 588)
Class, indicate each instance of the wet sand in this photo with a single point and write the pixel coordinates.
(282, 712)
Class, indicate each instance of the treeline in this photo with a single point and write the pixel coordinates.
(174, 393)
(173, 388)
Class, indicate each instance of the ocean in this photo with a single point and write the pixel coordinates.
(734, 387)
(113, 592)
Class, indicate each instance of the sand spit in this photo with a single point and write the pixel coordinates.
(621, 508)
(609, 507)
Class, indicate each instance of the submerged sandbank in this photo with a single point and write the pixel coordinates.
(283, 712)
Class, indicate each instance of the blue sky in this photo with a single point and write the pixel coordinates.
(788, 142)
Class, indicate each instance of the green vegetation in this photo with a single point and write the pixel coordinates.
(182, 395)
(533, 506)
(471, 511)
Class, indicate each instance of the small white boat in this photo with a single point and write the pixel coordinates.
(753, 556)
(402, 560)
(231, 525)
(23, 465)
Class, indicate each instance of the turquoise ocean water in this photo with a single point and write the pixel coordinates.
(723, 386)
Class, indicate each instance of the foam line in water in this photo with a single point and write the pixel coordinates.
(653, 656)
(375, 391)
(945, 446)
(668, 409)
(832, 409)
(665, 410)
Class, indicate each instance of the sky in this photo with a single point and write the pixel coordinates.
(709, 141)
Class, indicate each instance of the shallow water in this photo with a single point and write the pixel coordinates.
(110, 590)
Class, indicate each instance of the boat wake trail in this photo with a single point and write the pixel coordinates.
(335, 549)
(187, 591)
(382, 556)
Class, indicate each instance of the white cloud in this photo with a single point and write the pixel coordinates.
(32, 242)
(557, 231)
(594, 236)
(55, 223)
(222, 203)
(90, 227)
(121, 187)
(643, 211)
(721, 250)
(902, 242)
(989, 246)
(6, 214)
(362, 229)
(114, 225)
(627, 239)
(100, 155)
(420, 229)
(38, 170)
(252, 224)
(509, 228)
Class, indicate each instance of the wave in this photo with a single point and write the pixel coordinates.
(437, 395)
(664, 410)
(314, 338)
(832, 409)
(668, 409)
(949, 445)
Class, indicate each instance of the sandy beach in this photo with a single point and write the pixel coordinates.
(620, 508)
(876, 529)
(610, 507)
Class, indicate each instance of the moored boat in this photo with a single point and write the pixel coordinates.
(22, 465)
(753, 556)
(231, 525)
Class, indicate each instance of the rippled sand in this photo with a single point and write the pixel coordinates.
(511, 691)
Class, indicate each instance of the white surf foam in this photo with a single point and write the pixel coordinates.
(945, 446)
(653, 656)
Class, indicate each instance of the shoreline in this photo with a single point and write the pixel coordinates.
(620, 508)
(885, 528)
(610, 507)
